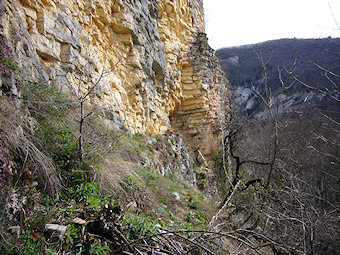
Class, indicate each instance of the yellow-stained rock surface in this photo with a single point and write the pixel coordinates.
(154, 68)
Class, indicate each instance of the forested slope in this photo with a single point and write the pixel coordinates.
(299, 69)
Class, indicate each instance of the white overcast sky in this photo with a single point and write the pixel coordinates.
(238, 22)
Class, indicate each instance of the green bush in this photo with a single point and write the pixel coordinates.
(138, 226)
(193, 205)
(90, 195)
(71, 234)
(59, 143)
(34, 244)
(132, 182)
(98, 249)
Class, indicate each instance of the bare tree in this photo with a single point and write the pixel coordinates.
(76, 84)
(284, 187)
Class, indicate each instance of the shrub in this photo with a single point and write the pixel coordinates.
(90, 195)
(132, 183)
(98, 249)
(193, 205)
(138, 226)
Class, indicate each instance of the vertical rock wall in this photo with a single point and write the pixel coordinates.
(201, 109)
(161, 74)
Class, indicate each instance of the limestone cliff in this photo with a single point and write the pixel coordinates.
(160, 73)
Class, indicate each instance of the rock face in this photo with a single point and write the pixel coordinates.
(158, 70)
(197, 116)
(172, 157)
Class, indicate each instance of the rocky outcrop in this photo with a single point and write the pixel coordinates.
(158, 71)
(200, 110)
(172, 157)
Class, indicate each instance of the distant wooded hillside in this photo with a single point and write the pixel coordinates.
(302, 60)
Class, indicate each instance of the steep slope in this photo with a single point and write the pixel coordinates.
(108, 110)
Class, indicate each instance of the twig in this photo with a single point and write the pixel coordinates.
(193, 242)
(224, 206)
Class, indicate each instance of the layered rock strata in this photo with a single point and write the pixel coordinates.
(159, 72)
(198, 116)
